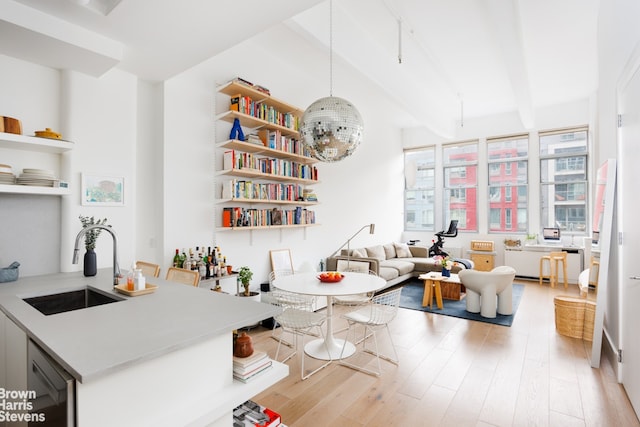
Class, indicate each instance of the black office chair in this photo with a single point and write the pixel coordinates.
(436, 248)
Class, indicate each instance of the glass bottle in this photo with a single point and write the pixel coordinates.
(176, 259)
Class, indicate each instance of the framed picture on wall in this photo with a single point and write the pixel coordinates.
(281, 260)
(102, 190)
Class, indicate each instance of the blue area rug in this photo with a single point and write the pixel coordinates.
(413, 291)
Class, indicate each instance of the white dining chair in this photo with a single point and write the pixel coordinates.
(355, 299)
(375, 316)
(299, 321)
(300, 301)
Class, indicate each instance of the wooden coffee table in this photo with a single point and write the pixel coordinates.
(443, 287)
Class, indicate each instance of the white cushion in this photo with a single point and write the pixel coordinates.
(376, 252)
(402, 250)
(359, 253)
(390, 251)
(359, 266)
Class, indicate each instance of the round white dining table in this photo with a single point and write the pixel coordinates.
(309, 284)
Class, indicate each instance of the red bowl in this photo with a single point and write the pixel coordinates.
(330, 279)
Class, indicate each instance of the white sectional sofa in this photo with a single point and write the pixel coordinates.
(394, 262)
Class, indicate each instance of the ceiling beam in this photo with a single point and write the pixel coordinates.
(504, 17)
(34, 36)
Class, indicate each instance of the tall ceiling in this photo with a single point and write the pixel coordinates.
(442, 60)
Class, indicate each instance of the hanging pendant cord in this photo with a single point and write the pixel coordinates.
(330, 47)
(399, 41)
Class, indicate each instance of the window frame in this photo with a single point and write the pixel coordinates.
(506, 188)
(550, 205)
(425, 190)
(465, 207)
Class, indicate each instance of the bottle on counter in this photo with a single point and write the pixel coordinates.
(207, 264)
(186, 264)
(192, 260)
(139, 280)
(183, 258)
(176, 259)
(130, 279)
(202, 271)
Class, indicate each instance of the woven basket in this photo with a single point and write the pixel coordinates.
(589, 320)
(570, 316)
(482, 245)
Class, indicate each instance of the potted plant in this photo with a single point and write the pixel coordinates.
(244, 276)
(446, 263)
(90, 238)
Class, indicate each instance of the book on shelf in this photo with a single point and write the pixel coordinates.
(226, 217)
(245, 378)
(251, 414)
(234, 102)
(228, 160)
(246, 371)
(262, 89)
(276, 217)
(254, 139)
(252, 217)
(242, 81)
(243, 362)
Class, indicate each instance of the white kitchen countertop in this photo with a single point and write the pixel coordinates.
(96, 341)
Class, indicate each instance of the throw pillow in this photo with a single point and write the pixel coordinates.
(402, 250)
(358, 253)
(376, 252)
(389, 251)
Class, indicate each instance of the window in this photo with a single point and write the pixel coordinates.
(460, 184)
(563, 180)
(419, 189)
(508, 179)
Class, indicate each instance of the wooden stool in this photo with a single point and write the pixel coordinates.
(558, 257)
(429, 287)
(551, 277)
(554, 258)
(594, 266)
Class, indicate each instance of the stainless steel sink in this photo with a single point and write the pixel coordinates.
(70, 300)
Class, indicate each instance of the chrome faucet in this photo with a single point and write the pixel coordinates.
(116, 268)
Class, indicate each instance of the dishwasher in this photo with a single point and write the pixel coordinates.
(54, 389)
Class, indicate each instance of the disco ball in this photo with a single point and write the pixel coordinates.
(331, 128)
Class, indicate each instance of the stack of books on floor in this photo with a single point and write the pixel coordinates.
(254, 415)
(247, 368)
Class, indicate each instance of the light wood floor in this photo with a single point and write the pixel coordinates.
(454, 372)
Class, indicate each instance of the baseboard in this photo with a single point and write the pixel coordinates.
(610, 351)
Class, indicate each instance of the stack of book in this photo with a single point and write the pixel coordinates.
(247, 368)
(253, 415)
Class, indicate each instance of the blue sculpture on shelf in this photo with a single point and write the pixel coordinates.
(236, 131)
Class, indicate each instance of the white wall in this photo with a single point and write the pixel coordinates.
(29, 225)
(149, 173)
(618, 36)
(99, 116)
(364, 188)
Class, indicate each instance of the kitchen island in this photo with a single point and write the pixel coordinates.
(162, 358)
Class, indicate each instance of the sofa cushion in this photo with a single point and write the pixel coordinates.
(359, 253)
(403, 267)
(425, 264)
(402, 250)
(388, 273)
(376, 252)
(389, 251)
(351, 265)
